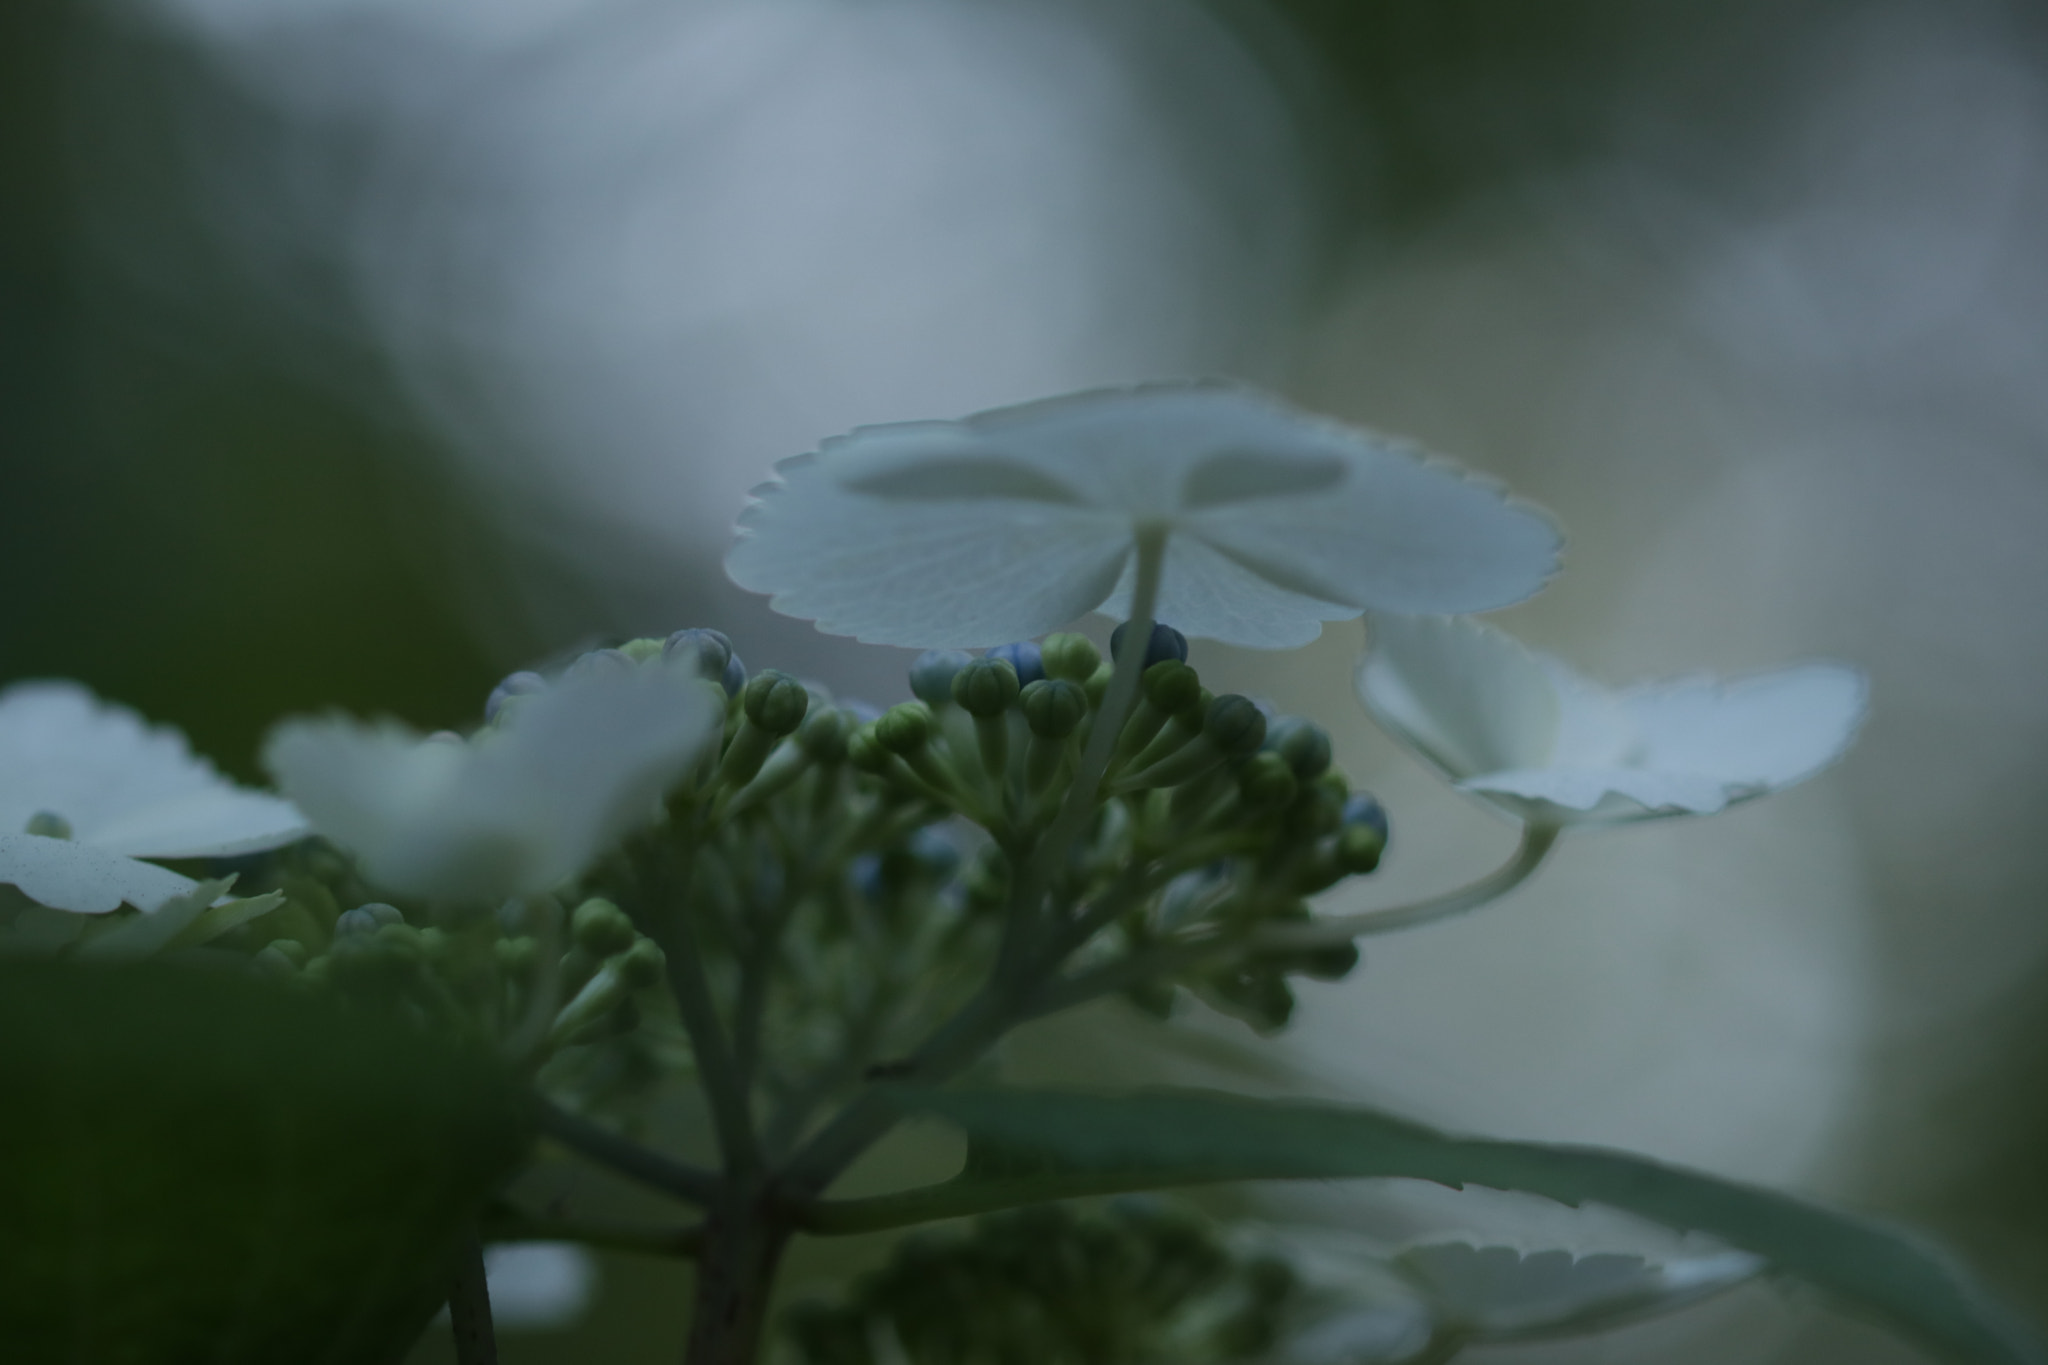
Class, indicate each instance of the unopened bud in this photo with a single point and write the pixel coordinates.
(521, 684)
(1362, 809)
(775, 701)
(1303, 743)
(601, 660)
(1071, 657)
(988, 686)
(823, 733)
(1172, 686)
(1359, 848)
(1266, 781)
(1054, 707)
(353, 923)
(1164, 643)
(641, 965)
(906, 728)
(1234, 724)
(601, 928)
(48, 824)
(932, 673)
(1022, 656)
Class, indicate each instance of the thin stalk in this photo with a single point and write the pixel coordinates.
(689, 1183)
(1179, 955)
(1537, 841)
(1038, 872)
(469, 1308)
(724, 1090)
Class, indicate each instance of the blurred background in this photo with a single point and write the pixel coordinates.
(354, 352)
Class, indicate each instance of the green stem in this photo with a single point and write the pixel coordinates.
(1537, 841)
(627, 1157)
(469, 1308)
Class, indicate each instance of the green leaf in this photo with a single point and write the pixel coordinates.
(198, 1166)
(1028, 1146)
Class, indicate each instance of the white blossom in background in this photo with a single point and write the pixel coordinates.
(1522, 731)
(1015, 522)
(102, 789)
(519, 808)
(537, 1285)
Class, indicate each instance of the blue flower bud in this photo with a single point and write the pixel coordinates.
(1165, 643)
(710, 652)
(931, 675)
(382, 913)
(1022, 656)
(352, 923)
(520, 684)
(1361, 808)
(934, 852)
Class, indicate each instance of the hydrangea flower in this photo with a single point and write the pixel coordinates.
(103, 788)
(1256, 521)
(517, 809)
(1520, 730)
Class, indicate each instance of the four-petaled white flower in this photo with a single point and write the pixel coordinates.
(1522, 731)
(1014, 522)
(1503, 1294)
(121, 790)
(519, 808)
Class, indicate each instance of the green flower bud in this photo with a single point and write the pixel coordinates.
(292, 949)
(1359, 848)
(986, 687)
(517, 957)
(601, 928)
(1267, 781)
(642, 965)
(905, 728)
(932, 674)
(642, 650)
(401, 938)
(272, 962)
(48, 824)
(823, 733)
(1304, 744)
(1054, 708)
(1234, 725)
(865, 752)
(775, 701)
(1172, 686)
(1071, 657)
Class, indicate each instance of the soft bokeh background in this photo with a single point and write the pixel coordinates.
(353, 352)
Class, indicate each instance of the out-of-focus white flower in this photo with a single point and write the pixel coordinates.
(1014, 522)
(117, 789)
(1498, 1293)
(539, 1284)
(519, 808)
(1522, 731)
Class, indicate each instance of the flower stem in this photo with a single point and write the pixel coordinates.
(1537, 841)
(469, 1307)
(625, 1156)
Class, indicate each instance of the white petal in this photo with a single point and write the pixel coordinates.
(121, 783)
(1400, 534)
(518, 810)
(1013, 522)
(1469, 698)
(952, 572)
(1767, 731)
(1503, 1294)
(1601, 795)
(1204, 594)
(66, 875)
